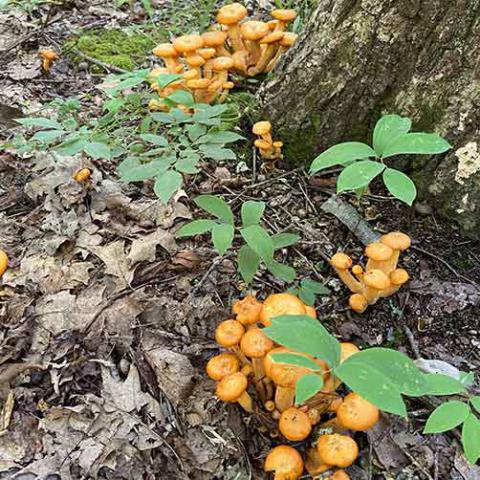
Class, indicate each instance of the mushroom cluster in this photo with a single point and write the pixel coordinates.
(248, 375)
(246, 47)
(270, 150)
(48, 56)
(381, 277)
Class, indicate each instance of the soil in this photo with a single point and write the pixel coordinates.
(102, 369)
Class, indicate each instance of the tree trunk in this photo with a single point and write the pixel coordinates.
(358, 59)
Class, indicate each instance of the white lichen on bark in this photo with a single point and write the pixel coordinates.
(468, 162)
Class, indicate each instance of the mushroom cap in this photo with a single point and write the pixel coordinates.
(294, 424)
(268, 362)
(378, 251)
(278, 144)
(191, 74)
(313, 416)
(284, 14)
(347, 349)
(231, 387)
(228, 85)
(272, 24)
(254, 30)
(165, 50)
(287, 375)
(3, 262)
(255, 344)
(48, 54)
(285, 461)
(240, 59)
(82, 175)
(215, 85)
(262, 144)
(335, 404)
(247, 369)
(222, 365)
(272, 37)
(376, 279)
(195, 60)
(339, 475)
(341, 261)
(338, 450)
(207, 53)
(222, 63)
(231, 14)
(399, 276)
(310, 311)
(358, 303)
(281, 304)
(229, 333)
(288, 39)
(214, 38)
(262, 128)
(357, 270)
(248, 309)
(356, 413)
(396, 240)
(188, 43)
(198, 83)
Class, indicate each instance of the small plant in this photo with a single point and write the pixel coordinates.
(259, 245)
(307, 290)
(391, 137)
(382, 376)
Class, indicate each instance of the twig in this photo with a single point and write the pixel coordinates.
(412, 341)
(211, 268)
(447, 265)
(105, 66)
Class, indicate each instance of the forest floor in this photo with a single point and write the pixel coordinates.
(107, 320)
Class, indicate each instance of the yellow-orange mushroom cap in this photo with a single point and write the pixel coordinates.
(262, 128)
(341, 261)
(396, 240)
(288, 39)
(231, 387)
(338, 450)
(378, 251)
(214, 38)
(255, 344)
(399, 276)
(3, 262)
(48, 54)
(347, 349)
(262, 144)
(207, 53)
(285, 462)
(222, 63)
(254, 30)
(278, 304)
(83, 175)
(165, 50)
(229, 333)
(272, 37)
(284, 14)
(376, 279)
(247, 310)
(231, 14)
(294, 424)
(188, 44)
(358, 303)
(310, 311)
(222, 365)
(339, 475)
(356, 413)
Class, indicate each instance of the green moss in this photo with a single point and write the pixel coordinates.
(116, 47)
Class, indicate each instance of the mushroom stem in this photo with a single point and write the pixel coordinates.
(284, 397)
(347, 278)
(245, 401)
(264, 60)
(235, 37)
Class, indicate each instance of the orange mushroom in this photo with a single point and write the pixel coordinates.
(338, 475)
(287, 41)
(187, 45)
(216, 39)
(228, 334)
(314, 464)
(341, 264)
(398, 242)
(169, 54)
(230, 16)
(294, 424)
(356, 413)
(378, 255)
(278, 304)
(247, 310)
(375, 282)
(310, 311)
(398, 278)
(271, 44)
(3, 262)
(283, 16)
(233, 388)
(285, 462)
(252, 32)
(337, 450)
(222, 365)
(48, 57)
(83, 175)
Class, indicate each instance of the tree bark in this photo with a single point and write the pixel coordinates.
(359, 59)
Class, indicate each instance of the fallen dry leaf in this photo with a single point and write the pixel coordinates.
(143, 249)
(114, 257)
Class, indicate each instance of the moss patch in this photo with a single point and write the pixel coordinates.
(116, 47)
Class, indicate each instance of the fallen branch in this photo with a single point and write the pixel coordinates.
(351, 219)
(105, 66)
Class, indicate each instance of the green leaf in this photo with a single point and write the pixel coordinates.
(195, 131)
(188, 164)
(416, 143)
(341, 153)
(248, 263)
(297, 360)
(196, 227)
(439, 384)
(306, 335)
(358, 175)
(167, 184)
(71, 147)
(281, 271)
(215, 206)
(307, 386)
(471, 439)
(133, 170)
(315, 287)
(400, 185)
(98, 150)
(209, 115)
(179, 115)
(39, 122)
(259, 241)
(252, 212)
(48, 136)
(221, 137)
(475, 401)
(447, 416)
(282, 240)
(222, 237)
(371, 384)
(467, 378)
(394, 365)
(181, 97)
(387, 129)
(158, 140)
(165, 79)
(215, 152)
(162, 117)
(307, 296)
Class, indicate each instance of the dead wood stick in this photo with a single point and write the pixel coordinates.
(351, 219)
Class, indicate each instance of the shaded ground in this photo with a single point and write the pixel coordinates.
(107, 322)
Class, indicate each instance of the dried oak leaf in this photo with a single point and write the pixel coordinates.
(144, 248)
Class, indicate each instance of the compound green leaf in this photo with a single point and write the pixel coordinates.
(281, 271)
(439, 384)
(259, 241)
(98, 150)
(282, 240)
